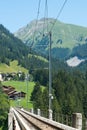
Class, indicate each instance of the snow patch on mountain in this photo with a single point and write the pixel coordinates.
(74, 61)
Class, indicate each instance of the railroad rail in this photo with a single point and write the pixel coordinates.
(24, 120)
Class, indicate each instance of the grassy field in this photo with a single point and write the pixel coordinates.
(13, 67)
(39, 57)
(26, 87)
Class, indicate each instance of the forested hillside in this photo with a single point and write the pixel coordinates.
(80, 51)
(10, 47)
(69, 90)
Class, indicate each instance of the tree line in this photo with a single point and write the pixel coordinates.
(69, 90)
(4, 109)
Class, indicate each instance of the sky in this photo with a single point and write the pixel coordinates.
(15, 14)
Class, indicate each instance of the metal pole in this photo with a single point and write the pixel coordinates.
(50, 77)
(27, 91)
(19, 90)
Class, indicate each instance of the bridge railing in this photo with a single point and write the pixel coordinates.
(58, 117)
(74, 120)
(38, 121)
(64, 119)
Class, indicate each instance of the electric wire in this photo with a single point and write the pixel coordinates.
(38, 12)
(36, 23)
(60, 11)
(45, 24)
(45, 17)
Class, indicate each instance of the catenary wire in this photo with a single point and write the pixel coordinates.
(36, 23)
(60, 11)
(45, 17)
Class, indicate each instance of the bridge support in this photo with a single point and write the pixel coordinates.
(38, 112)
(77, 121)
(32, 110)
(50, 114)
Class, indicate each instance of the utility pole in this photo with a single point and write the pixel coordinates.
(27, 76)
(19, 97)
(50, 77)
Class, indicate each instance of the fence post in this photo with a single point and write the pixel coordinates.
(50, 114)
(77, 120)
(38, 112)
(32, 110)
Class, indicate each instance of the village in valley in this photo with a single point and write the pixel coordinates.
(10, 90)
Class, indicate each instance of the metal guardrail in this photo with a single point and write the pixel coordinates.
(58, 117)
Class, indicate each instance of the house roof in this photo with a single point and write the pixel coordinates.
(12, 92)
(19, 92)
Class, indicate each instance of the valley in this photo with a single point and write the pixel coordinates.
(69, 67)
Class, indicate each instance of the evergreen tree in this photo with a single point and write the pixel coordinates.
(36, 96)
(45, 100)
(68, 90)
(4, 106)
(85, 105)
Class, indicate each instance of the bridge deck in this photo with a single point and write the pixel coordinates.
(30, 121)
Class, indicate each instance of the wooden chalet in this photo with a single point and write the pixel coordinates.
(15, 95)
(8, 89)
(12, 93)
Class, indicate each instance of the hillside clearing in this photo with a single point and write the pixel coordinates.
(21, 86)
(26, 87)
(13, 67)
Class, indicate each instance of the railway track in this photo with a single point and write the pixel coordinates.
(29, 121)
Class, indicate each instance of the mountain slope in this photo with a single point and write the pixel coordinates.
(13, 67)
(65, 37)
(11, 48)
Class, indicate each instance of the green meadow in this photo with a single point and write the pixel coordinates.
(13, 67)
(26, 87)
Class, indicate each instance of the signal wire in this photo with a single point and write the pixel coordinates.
(60, 11)
(38, 12)
(36, 23)
(45, 17)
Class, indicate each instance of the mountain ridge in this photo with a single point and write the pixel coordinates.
(65, 37)
(11, 48)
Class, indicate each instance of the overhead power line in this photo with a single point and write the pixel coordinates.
(36, 23)
(60, 11)
(38, 11)
(45, 16)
